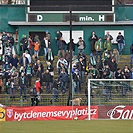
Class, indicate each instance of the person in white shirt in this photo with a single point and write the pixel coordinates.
(28, 56)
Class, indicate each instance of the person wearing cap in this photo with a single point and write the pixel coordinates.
(81, 45)
(121, 42)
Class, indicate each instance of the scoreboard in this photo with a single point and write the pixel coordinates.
(58, 10)
(76, 5)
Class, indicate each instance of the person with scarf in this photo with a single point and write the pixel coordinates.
(99, 48)
(50, 56)
(108, 45)
(92, 60)
(29, 73)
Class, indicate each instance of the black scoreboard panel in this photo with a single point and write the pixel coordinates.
(77, 5)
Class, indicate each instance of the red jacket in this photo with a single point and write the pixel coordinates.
(38, 86)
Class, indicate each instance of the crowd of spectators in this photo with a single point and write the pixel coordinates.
(28, 71)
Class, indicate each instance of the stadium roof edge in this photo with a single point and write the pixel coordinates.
(24, 23)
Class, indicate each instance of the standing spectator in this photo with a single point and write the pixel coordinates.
(81, 45)
(47, 78)
(28, 56)
(50, 68)
(108, 36)
(22, 85)
(48, 35)
(7, 75)
(63, 77)
(93, 38)
(14, 61)
(12, 89)
(113, 67)
(33, 96)
(31, 45)
(24, 43)
(71, 46)
(108, 45)
(81, 67)
(7, 84)
(116, 55)
(92, 60)
(38, 88)
(6, 61)
(29, 73)
(131, 55)
(39, 75)
(61, 47)
(108, 60)
(99, 48)
(50, 56)
(76, 80)
(36, 48)
(11, 42)
(4, 40)
(121, 42)
(61, 64)
(101, 67)
(58, 35)
(68, 56)
(37, 39)
(23, 61)
(37, 65)
(45, 44)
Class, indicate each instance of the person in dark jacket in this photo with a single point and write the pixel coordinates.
(63, 77)
(61, 47)
(76, 80)
(45, 44)
(34, 98)
(81, 67)
(39, 75)
(93, 38)
(121, 42)
(71, 45)
(24, 61)
(113, 67)
(22, 85)
(47, 78)
(14, 61)
(24, 43)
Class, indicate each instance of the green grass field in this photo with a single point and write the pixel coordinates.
(75, 126)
